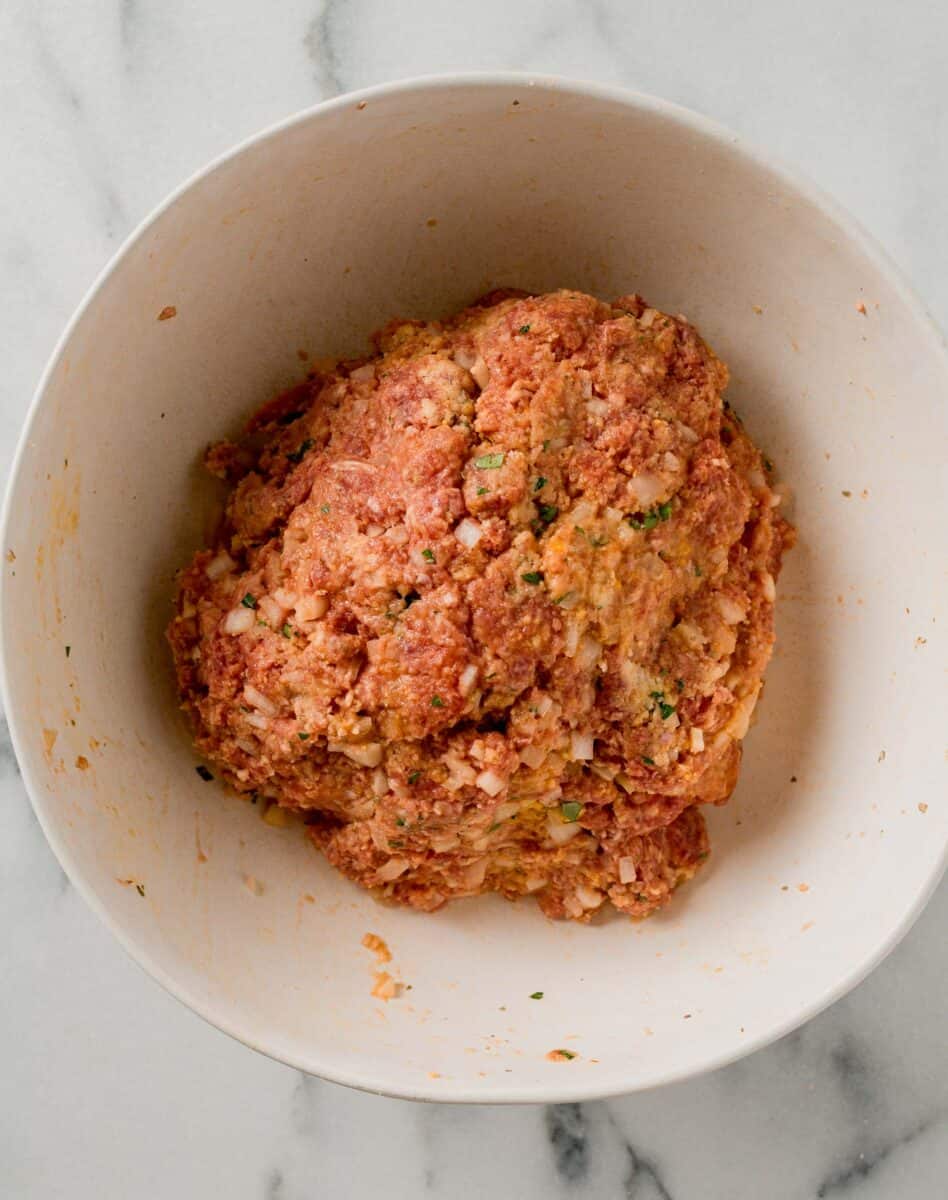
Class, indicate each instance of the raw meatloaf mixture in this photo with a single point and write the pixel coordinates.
(492, 607)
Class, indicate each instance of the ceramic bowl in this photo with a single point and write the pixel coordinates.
(413, 199)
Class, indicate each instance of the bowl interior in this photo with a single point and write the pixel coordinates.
(413, 201)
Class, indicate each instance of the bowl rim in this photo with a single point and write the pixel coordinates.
(364, 1078)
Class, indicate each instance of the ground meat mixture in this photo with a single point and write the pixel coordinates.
(491, 608)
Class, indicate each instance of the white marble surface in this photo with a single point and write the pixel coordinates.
(108, 1088)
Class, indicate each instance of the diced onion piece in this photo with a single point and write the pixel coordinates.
(625, 782)
(572, 907)
(532, 756)
(392, 869)
(363, 374)
(468, 533)
(247, 746)
(697, 739)
(690, 634)
(504, 812)
(588, 897)
(605, 771)
(219, 565)
(460, 773)
(239, 620)
(628, 871)
(533, 883)
(258, 700)
(285, 598)
(467, 679)
(647, 488)
(368, 754)
(588, 653)
(583, 512)
(379, 782)
(543, 705)
(490, 782)
(738, 725)
(732, 612)
(441, 843)
(571, 641)
(597, 407)
(480, 373)
(311, 608)
(562, 832)
(257, 720)
(464, 358)
(756, 479)
(273, 612)
(474, 874)
(768, 587)
(581, 745)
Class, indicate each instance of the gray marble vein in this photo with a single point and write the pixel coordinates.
(320, 44)
(109, 1087)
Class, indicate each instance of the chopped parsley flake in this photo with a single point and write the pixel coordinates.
(204, 773)
(664, 707)
(249, 601)
(536, 995)
(567, 1054)
(539, 484)
(680, 684)
(533, 577)
(571, 810)
(437, 702)
(287, 631)
(140, 888)
(297, 455)
(698, 571)
(401, 822)
(490, 462)
(482, 491)
(414, 776)
(562, 599)
(324, 508)
(304, 737)
(649, 762)
(648, 520)
(524, 329)
(546, 444)
(548, 513)
(428, 555)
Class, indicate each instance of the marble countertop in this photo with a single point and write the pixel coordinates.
(108, 1087)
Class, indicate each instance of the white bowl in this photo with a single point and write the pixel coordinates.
(412, 199)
